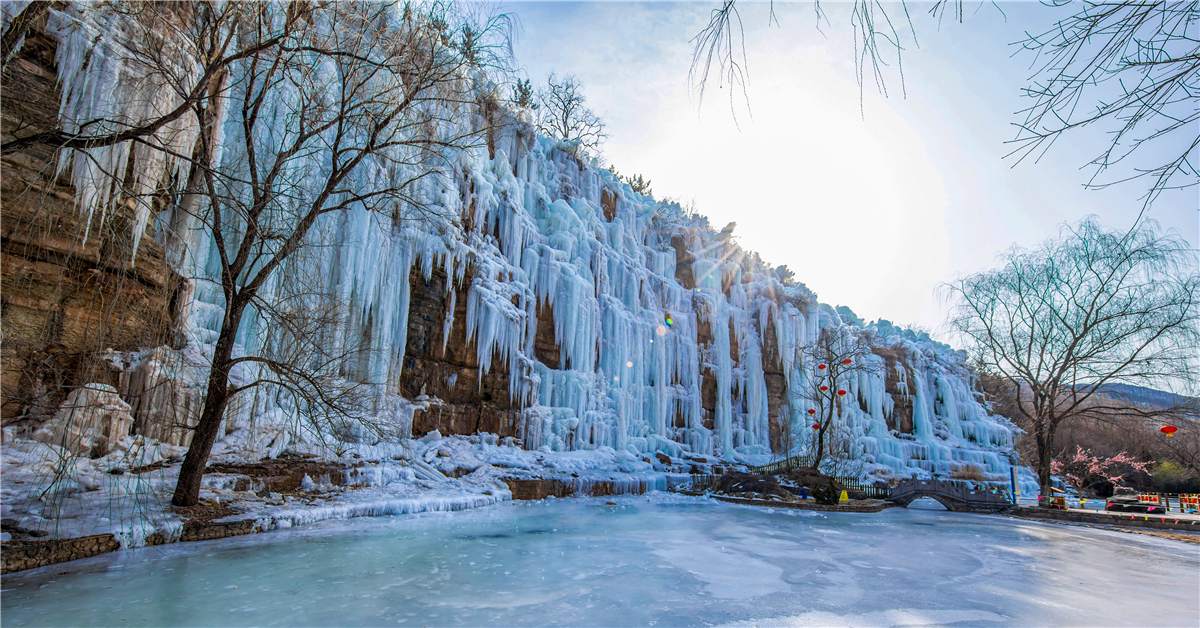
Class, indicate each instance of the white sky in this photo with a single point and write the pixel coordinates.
(873, 213)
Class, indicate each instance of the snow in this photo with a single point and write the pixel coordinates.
(46, 488)
(647, 560)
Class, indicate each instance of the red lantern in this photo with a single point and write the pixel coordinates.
(842, 392)
(1169, 430)
(824, 388)
(811, 412)
(846, 361)
(821, 366)
(816, 426)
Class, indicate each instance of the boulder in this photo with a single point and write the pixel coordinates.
(812, 479)
(91, 420)
(765, 485)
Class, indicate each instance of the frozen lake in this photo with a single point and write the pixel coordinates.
(650, 560)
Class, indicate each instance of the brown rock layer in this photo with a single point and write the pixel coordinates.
(71, 287)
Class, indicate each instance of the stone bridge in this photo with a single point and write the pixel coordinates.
(955, 496)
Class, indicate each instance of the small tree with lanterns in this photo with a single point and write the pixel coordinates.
(836, 358)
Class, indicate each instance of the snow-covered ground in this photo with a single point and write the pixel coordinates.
(46, 489)
(649, 560)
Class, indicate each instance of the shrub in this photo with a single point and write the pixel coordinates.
(1169, 477)
(969, 473)
(826, 495)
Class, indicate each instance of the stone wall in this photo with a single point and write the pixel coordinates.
(33, 554)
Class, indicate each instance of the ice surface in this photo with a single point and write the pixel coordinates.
(649, 560)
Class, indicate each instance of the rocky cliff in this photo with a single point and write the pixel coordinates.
(70, 287)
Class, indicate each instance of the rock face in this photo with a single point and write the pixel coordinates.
(896, 387)
(89, 423)
(71, 288)
(446, 367)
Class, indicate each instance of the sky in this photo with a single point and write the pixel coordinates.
(872, 207)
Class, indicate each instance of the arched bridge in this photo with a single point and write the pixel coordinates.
(953, 495)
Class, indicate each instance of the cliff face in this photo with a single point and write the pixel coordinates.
(544, 300)
(70, 287)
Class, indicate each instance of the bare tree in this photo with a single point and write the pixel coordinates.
(563, 115)
(837, 357)
(383, 111)
(1133, 65)
(1088, 309)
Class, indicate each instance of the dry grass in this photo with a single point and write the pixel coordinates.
(969, 473)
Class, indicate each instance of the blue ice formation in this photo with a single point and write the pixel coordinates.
(648, 301)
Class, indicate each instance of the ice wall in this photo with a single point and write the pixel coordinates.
(666, 328)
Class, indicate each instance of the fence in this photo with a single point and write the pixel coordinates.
(870, 491)
(1183, 502)
(851, 484)
(703, 482)
(787, 463)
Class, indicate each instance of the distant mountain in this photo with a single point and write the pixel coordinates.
(1142, 396)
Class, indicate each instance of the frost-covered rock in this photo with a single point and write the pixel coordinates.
(91, 420)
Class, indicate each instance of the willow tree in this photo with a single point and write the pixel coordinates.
(1088, 309)
(1132, 68)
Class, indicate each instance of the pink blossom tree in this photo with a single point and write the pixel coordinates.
(1083, 468)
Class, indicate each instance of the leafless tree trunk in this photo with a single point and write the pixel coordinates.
(1090, 308)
